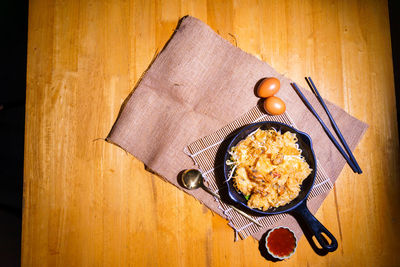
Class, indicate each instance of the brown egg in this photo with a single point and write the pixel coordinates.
(268, 87)
(274, 105)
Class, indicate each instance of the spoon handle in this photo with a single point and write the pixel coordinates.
(233, 207)
(245, 215)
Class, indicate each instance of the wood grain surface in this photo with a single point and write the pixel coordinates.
(89, 203)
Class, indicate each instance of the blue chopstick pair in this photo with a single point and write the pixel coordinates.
(350, 157)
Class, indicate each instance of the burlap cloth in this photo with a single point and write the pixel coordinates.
(200, 84)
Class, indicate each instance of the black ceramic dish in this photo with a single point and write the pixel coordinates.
(298, 205)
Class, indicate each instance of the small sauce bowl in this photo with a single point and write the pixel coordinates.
(281, 243)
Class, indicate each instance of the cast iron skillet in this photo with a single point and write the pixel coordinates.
(298, 205)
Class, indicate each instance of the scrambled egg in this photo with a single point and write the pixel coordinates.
(268, 168)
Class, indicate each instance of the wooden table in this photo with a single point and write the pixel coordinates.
(88, 203)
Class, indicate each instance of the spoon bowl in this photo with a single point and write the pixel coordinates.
(192, 179)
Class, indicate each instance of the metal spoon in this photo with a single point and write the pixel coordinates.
(192, 179)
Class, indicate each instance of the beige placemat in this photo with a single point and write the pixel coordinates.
(208, 155)
(200, 83)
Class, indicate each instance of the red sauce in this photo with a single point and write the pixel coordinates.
(281, 242)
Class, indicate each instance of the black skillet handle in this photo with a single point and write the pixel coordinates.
(316, 228)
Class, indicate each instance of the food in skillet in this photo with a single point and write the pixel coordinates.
(268, 168)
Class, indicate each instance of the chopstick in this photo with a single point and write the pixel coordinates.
(335, 127)
(349, 161)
